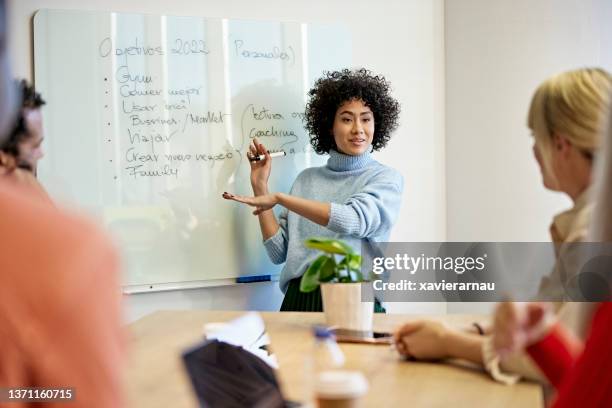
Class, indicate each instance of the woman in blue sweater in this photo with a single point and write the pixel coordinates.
(353, 197)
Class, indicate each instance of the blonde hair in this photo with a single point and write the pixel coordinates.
(572, 104)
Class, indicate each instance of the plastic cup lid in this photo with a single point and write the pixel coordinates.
(338, 384)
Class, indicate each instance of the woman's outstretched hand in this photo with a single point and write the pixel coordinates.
(261, 203)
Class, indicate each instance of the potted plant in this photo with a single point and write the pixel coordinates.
(338, 272)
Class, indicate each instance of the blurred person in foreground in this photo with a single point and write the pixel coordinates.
(581, 372)
(566, 117)
(60, 299)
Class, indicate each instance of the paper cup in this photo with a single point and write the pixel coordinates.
(340, 389)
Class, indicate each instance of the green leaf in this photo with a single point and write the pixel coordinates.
(345, 279)
(328, 270)
(353, 261)
(319, 268)
(332, 246)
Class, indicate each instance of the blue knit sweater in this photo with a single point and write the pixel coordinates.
(365, 199)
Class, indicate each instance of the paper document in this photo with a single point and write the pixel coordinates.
(249, 332)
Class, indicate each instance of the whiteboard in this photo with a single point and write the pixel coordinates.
(147, 122)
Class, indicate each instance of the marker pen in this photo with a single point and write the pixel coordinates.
(262, 157)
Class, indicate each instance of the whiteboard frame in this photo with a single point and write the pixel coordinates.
(172, 286)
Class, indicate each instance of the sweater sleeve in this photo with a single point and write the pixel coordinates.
(574, 316)
(276, 245)
(370, 212)
(553, 355)
(587, 382)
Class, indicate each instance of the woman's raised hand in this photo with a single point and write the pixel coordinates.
(260, 170)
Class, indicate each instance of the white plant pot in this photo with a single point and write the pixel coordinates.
(343, 306)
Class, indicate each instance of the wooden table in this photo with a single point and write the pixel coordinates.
(156, 378)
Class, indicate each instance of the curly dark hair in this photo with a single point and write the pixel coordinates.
(30, 99)
(338, 87)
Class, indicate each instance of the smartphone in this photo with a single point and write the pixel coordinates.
(357, 336)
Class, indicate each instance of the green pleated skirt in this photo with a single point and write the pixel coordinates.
(297, 301)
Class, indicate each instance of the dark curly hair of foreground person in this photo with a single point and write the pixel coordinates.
(337, 87)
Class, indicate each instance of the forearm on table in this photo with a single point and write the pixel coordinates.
(464, 345)
(480, 328)
(316, 211)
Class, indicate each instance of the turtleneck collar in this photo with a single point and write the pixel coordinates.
(343, 162)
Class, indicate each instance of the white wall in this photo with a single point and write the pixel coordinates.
(497, 52)
(401, 39)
